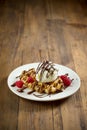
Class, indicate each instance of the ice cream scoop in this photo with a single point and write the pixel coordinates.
(46, 72)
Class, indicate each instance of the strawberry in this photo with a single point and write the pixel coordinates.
(19, 84)
(66, 80)
(30, 80)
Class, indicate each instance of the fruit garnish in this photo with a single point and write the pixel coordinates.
(19, 84)
(30, 80)
(66, 80)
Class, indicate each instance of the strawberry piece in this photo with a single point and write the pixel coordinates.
(66, 80)
(30, 80)
(19, 84)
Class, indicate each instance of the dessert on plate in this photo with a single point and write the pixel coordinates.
(43, 79)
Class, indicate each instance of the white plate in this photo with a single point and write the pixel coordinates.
(75, 85)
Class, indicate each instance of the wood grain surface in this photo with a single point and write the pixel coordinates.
(34, 30)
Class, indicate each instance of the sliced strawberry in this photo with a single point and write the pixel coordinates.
(30, 80)
(19, 84)
(66, 80)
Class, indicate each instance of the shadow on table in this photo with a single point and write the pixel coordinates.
(48, 103)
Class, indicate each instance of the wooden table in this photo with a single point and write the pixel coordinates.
(33, 30)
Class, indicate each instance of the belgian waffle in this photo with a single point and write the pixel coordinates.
(51, 87)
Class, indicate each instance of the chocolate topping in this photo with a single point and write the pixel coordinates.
(21, 89)
(45, 65)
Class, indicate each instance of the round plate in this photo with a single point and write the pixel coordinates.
(75, 85)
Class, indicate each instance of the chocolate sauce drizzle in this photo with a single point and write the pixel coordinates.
(30, 92)
(21, 89)
(13, 85)
(41, 95)
(38, 95)
(46, 65)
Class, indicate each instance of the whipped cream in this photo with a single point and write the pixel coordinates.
(46, 72)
